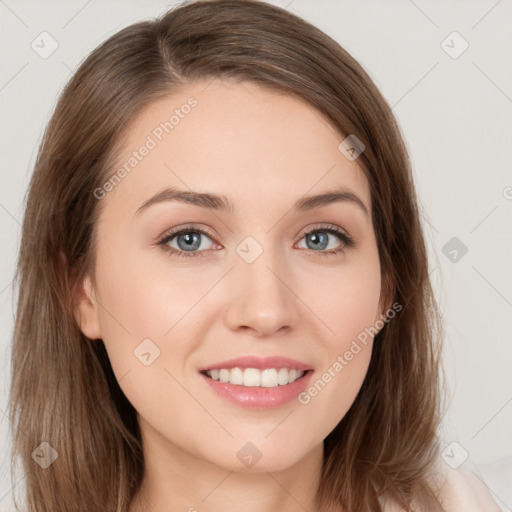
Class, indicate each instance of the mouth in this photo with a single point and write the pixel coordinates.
(254, 377)
(257, 383)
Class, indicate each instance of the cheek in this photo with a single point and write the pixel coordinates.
(143, 316)
(134, 307)
(348, 303)
(150, 321)
(345, 300)
(140, 298)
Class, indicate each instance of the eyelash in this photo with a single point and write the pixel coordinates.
(347, 241)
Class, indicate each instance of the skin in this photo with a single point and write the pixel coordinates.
(263, 151)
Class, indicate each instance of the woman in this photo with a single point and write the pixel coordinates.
(224, 298)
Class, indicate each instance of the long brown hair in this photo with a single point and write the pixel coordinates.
(63, 389)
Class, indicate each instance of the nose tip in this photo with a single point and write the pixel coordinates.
(265, 327)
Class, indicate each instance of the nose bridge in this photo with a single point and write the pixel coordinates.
(261, 278)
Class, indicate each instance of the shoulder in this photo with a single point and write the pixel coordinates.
(461, 489)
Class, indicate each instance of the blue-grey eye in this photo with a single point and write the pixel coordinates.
(318, 240)
(188, 241)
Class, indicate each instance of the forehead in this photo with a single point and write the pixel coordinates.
(240, 140)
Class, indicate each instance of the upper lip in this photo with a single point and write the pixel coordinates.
(260, 363)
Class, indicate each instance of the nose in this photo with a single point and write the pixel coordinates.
(262, 301)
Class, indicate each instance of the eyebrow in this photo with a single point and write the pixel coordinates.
(222, 203)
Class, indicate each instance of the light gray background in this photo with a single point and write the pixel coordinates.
(455, 114)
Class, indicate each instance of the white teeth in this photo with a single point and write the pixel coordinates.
(236, 376)
(252, 377)
(282, 376)
(269, 378)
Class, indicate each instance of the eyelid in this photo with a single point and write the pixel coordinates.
(324, 226)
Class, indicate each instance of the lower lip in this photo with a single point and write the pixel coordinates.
(259, 397)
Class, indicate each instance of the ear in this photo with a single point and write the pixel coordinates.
(86, 309)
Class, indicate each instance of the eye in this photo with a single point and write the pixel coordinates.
(188, 240)
(318, 238)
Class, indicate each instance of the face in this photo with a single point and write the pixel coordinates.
(234, 323)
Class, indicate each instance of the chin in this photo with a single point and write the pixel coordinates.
(257, 457)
